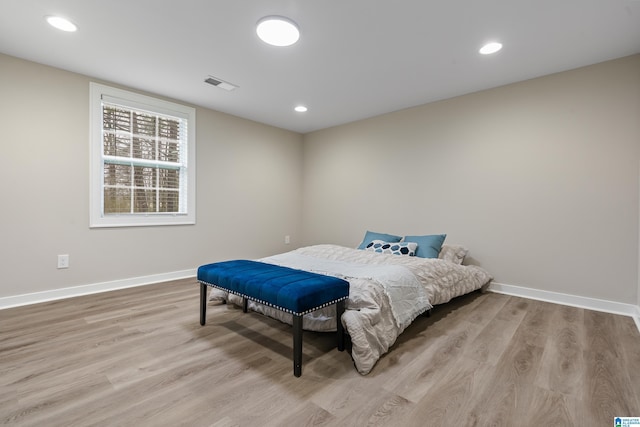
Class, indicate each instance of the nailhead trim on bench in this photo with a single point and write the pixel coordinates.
(273, 305)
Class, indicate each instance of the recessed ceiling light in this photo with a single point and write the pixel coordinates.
(301, 109)
(490, 48)
(61, 23)
(277, 31)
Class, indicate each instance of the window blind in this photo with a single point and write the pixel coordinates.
(144, 160)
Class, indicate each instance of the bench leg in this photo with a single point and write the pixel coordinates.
(297, 345)
(339, 327)
(203, 303)
(245, 303)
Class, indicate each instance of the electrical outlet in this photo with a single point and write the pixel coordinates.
(287, 239)
(63, 261)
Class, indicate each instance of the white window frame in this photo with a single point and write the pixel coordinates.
(96, 196)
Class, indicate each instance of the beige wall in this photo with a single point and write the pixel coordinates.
(248, 191)
(539, 179)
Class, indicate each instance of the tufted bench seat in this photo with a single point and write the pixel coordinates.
(294, 291)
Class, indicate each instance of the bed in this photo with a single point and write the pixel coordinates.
(388, 289)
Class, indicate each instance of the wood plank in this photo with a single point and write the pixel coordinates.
(139, 357)
(441, 344)
(563, 366)
(494, 338)
(447, 402)
(549, 408)
(507, 394)
(608, 387)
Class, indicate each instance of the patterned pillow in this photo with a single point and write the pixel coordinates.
(370, 236)
(399, 248)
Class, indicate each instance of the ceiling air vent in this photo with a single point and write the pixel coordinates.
(220, 83)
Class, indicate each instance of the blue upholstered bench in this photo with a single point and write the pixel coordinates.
(294, 291)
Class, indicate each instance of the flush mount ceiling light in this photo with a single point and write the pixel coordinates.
(277, 31)
(301, 109)
(490, 48)
(61, 23)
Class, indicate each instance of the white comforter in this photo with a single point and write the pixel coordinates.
(387, 292)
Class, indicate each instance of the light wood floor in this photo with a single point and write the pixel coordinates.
(138, 357)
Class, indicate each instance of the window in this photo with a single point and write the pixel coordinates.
(142, 160)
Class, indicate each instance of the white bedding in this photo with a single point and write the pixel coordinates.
(387, 292)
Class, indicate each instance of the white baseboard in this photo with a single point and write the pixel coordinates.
(501, 288)
(571, 300)
(74, 291)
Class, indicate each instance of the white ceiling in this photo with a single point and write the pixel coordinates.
(355, 58)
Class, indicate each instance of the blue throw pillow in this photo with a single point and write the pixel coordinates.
(371, 236)
(428, 246)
